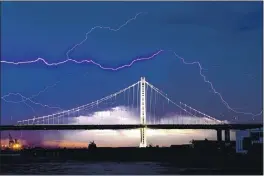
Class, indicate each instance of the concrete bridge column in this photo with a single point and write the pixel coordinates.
(219, 135)
(227, 135)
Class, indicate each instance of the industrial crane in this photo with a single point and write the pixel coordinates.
(14, 144)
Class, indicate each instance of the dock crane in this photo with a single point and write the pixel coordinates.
(14, 144)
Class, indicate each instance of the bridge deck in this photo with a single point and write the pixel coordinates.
(134, 126)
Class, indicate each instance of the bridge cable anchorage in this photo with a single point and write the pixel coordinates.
(94, 103)
(184, 109)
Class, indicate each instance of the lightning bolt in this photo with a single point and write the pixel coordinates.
(85, 61)
(78, 44)
(141, 59)
(103, 27)
(29, 106)
(36, 95)
(24, 99)
(31, 97)
(214, 90)
(75, 61)
(120, 67)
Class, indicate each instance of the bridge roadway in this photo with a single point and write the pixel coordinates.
(132, 126)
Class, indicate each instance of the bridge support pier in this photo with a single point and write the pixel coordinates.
(227, 135)
(219, 135)
(143, 139)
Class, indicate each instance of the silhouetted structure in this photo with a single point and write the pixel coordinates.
(213, 146)
(13, 144)
(11, 141)
(92, 145)
(245, 140)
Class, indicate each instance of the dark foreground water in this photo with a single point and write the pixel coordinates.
(113, 168)
(89, 168)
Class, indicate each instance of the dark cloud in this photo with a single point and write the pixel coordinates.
(250, 21)
(218, 18)
(233, 44)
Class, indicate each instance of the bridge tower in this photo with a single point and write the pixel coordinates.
(143, 139)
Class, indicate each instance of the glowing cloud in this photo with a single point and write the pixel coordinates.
(123, 115)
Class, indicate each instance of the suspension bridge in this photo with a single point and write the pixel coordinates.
(144, 104)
